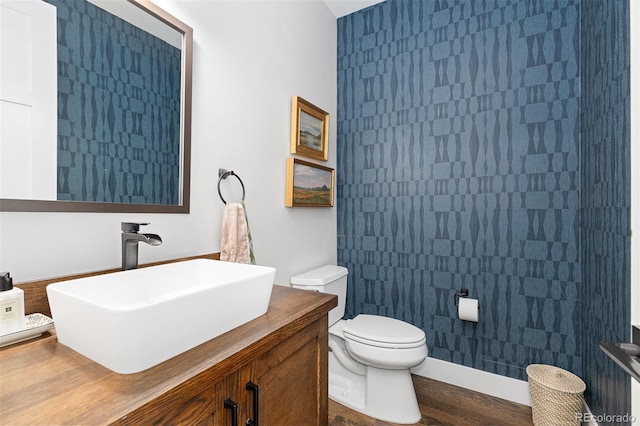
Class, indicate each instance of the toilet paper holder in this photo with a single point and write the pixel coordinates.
(463, 292)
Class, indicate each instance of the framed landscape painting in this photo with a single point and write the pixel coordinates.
(308, 184)
(309, 130)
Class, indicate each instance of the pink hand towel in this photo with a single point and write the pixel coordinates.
(235, 244)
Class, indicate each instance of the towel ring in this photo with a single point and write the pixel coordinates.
(223, 174)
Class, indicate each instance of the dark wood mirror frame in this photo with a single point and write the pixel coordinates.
(19, 205)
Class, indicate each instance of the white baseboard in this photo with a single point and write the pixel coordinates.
(513, 390)
(477, 380)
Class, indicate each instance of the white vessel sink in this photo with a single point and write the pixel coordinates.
(132, 320)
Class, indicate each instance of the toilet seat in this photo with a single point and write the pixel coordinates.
(383, 332)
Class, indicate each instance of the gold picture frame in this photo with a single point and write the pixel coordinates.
(309, 130)
(308, 184)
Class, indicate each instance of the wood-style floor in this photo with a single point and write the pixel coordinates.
(442, 404)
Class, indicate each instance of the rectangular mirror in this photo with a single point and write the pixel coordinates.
(110, 130)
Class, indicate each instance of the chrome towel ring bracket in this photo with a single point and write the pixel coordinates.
(223, 174)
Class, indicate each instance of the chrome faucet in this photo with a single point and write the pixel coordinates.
(130, 240)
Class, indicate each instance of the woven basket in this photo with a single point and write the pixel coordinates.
(556, 396)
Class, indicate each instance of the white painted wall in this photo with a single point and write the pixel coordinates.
(250, 57)
(634, 11)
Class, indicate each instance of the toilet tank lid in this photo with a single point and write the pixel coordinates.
(320, 276)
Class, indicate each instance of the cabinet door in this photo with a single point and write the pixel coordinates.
(292, 379)
(232, 399)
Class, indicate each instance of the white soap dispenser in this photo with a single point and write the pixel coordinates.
(11, 305)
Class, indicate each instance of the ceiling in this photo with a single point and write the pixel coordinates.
(341, 8)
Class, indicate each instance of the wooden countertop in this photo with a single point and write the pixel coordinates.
(45, 383)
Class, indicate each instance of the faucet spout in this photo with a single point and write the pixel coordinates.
(130, 240)
(151, 239)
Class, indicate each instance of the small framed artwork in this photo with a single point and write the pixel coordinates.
(309, 130)
(308, 184)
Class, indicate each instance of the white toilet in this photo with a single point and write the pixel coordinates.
(369, 356)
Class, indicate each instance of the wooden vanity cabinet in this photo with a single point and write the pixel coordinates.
(288, 380)
(292, 386)
(283, 352)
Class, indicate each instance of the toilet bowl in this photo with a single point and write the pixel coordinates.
(369, 355)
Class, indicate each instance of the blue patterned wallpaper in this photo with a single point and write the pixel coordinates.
(606, 200)
(118, 110)
(458, 166)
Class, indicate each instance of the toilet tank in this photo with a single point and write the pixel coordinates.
(326, 279)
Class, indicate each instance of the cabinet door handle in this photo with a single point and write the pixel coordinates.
(228, 403)
(253, 388)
